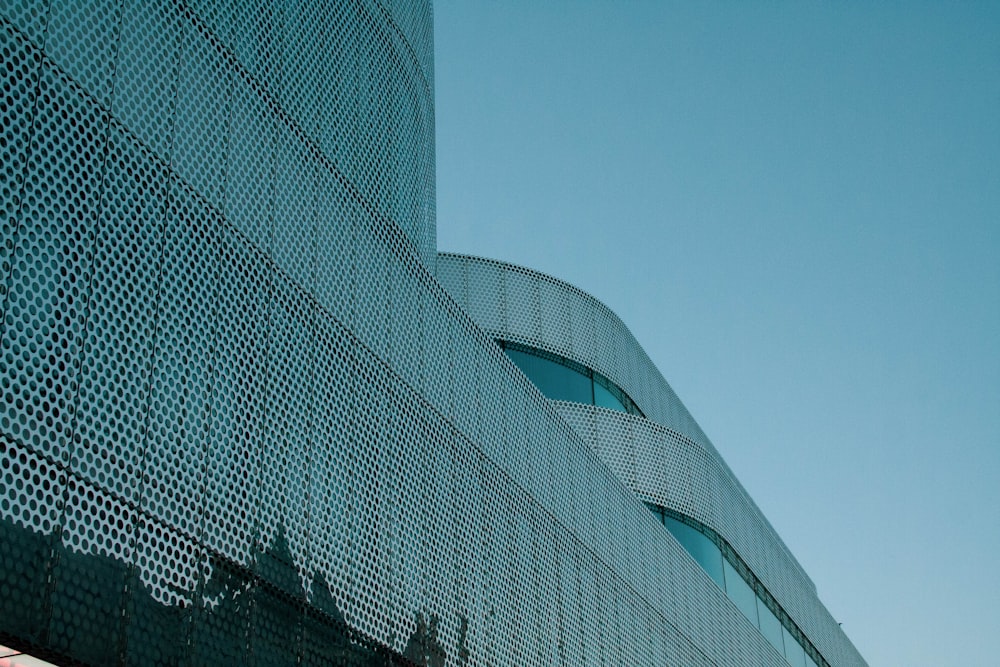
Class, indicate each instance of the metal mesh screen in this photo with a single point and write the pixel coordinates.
(241, 422)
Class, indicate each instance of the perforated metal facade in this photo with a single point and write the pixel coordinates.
(242, 422)
(664, 457)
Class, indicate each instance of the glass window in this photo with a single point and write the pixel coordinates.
(554, 380)
(770, 626)
(794, 653)
(740, 592)
(656, 510)
(562, 379)
(701, 548)
(604, 398)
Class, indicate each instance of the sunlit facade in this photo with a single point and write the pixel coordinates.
(250, 416)
(602, 383)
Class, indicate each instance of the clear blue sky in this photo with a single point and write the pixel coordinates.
(795, 207)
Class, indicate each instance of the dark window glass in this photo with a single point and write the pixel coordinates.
(656, 510)
(701, 548)
(554, 380)
(794, 653)
(562, 379)
(770, 626)
(606, 399)
(740, 592)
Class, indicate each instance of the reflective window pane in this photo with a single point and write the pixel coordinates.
(740, 592)
(810, 662)
(605, 399)
(554, 380)
(794, 653)
(770, 626)
(701, 549)
(656, 510)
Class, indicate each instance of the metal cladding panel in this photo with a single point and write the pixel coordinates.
(239, 415)
(543, 312)
(671, 470)
(665, 457)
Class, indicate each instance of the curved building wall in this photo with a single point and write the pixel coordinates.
(669, 469)
(665, 457)
(239, 415)
(520, 305)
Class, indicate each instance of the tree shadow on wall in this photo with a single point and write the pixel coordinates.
(81, 608)
(423, 648)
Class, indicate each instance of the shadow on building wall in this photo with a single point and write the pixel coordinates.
(88, 609)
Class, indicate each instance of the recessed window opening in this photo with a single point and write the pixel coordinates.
(731, 573)
(562, 379)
